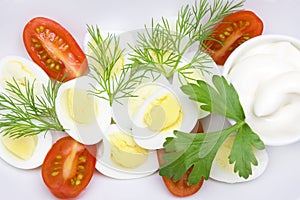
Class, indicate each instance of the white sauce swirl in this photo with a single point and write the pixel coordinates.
(267, 79)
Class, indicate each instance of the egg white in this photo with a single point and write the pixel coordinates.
(44, 143)
(109, 168)
(87, 134)
(227, 175)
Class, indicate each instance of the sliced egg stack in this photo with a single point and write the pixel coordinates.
(144, 121)
(26, 152)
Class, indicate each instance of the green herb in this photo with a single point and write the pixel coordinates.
(114, 80)
(23, 113)
(162, 48)
(199, 150)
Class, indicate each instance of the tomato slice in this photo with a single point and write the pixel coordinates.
(231, 32)
(68, 167)
(181, 188)
(54, 49)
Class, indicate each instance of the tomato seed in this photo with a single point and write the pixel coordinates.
(34, 40)
(79, 176)
(52, 65)
(38, 30)
(56, 163)
(222, 36)
(80, 167)
(59, 157)
(234, 25)
(60, 41)
(226, 33)
(44, 56)
(42, 28)
(82, 159)
(47, 32)
(57, 67)
(77, 182)
(55, 173)
(49, 61)
(56, 38)
(37, 46)
(229, 29)
(65, 47)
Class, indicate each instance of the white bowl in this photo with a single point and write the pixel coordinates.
(272, 73)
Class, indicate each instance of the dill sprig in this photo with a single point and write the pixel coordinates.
(114, 79)
(24, 114)
(162, 48)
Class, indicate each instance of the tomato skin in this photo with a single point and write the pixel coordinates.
(54, 49)
(68, 167)
(181, 188)
(232, 31)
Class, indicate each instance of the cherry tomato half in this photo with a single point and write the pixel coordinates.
(68, 167)
(54, 49)
(182, 187)
(232, 31)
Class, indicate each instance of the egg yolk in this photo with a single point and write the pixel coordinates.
(22, 148)
(163, 113)
(223, 154)
(125, 152)
(156, 108)
(80, 106)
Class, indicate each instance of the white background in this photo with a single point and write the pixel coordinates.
(282, 177)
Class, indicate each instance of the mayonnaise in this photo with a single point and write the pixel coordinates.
(267, 79)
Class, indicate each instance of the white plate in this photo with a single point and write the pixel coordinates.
(282, 177)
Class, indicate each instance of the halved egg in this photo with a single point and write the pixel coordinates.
(25, 152)
(84, 116)
(223, 171)
(120, 157)
(154, 111)
(19, 69)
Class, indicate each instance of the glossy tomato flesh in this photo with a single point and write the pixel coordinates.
(54, 49)
(231, 32)
(182, 188)
(68, 168)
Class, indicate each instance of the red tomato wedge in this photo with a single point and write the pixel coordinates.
(54, 49)
(181, 188)
(68, 168)
(231, 32)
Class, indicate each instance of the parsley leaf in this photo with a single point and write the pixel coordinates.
(242, 153)
(223, 101)
(199, 150)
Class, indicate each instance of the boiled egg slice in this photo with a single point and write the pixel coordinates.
(25, 152)
(223, 171)
(18, 69)
(84, 116)
(154, 112)
(120, 157)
